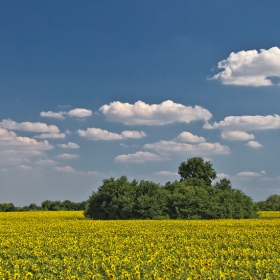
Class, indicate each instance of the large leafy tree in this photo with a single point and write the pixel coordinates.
(197, 168)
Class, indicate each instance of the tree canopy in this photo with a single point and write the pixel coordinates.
(197, 168)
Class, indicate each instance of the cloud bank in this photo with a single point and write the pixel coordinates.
(15, 149)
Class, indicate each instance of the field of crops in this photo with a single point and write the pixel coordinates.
(65, 245)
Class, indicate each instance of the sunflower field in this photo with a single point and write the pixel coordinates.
(65, 245)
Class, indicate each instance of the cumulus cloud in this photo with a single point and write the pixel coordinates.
(25, 167)
(138, 157)
(248, 174)
(50, 136)
(189, 138)
(167, 147)
(249, 68)
(50, 114)
(69, 145)
(67, 156)
(16, 149)
(133, 134)
(141, 113)
(28, 126)
(99, 134)
(79, 113)
(254, 144)
(166, 173)
(237, 135)
(246, 123)
(45, 162)
(69, 169)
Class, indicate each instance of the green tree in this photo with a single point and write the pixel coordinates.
(7, 207)
(275, 198)
(223, 184)
(115, 199)
(197, 168)
(150, 201)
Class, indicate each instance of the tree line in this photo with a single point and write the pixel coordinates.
(46, 205)
(193, 197)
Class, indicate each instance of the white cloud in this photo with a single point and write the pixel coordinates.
(254, 144)
(70, 145)
(141, 113)
(249, 68)
(5, 169)
(263, 172)
(222, 175)
(167, 147)
(29, 126)
(50, 135)
(25, 167)
(67, 156)
(16, 149)
(99, 134)
(43, 162)
(248, 174)
(138, 157)
(166, 173)
(189, 138)
(79, 113)
(50, 114)
(124, 145)
(133, 134)
(69, 169)
(246, 123)
(237, 135)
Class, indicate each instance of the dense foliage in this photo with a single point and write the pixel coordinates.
(272, 203)
(192, 198)
(187, 199)
(65, 245)
(197, 168)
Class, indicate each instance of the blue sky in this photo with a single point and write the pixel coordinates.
(96, 89)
